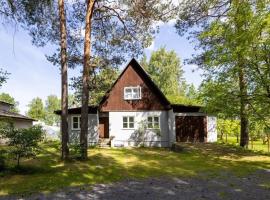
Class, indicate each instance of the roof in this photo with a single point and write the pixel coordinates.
(146, 77)
(185, 108)
(91, 110)
(8, 114)
(3, 102)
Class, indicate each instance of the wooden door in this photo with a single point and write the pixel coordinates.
(104, 127)
(190, 128)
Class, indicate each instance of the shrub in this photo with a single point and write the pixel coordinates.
(23, 142)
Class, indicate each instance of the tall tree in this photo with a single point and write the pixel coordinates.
(64, 79)
(9, 99)
(52, 104)
(166, 70)
(225, 36)
(36, 109)
(119, 28)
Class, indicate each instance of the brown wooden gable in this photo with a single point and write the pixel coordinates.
(134, 75)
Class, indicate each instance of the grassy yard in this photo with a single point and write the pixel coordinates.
(257, 145)
(47, 173)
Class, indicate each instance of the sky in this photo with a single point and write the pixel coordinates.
(31, 75)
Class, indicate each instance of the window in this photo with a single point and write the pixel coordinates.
(153, 122)
(131, 93)
(128, 122)
(76, 122)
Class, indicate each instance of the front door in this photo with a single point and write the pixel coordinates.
(104, 127)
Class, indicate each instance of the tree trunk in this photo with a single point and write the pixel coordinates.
(244, 132)
(86, 74)
(64, 80)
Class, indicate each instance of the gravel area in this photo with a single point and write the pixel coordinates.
(222, 186)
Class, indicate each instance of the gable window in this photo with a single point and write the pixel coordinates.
(128, 122)
(76, 122)
(131, 93)
(153, 122)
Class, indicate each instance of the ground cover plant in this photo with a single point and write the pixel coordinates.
(48, 173)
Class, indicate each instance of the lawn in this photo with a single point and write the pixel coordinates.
(256, 146)
(48, 173)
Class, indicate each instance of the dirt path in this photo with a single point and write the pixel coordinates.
(225, 186)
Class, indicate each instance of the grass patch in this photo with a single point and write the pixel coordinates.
(48, 173)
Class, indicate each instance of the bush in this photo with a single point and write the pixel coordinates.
(23, 142)
(2, 159)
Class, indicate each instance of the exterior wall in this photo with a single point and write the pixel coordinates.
(74, 135)
(171, 124)
(211, 129)
(132, 77)
(22, 123)
(133, 137)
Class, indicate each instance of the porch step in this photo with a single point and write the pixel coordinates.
(104, 142)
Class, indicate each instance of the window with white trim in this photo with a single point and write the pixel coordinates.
(128, 122)
(153, 122)
(76, 122)
(132, 93)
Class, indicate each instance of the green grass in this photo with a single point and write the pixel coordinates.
(257, 145)
(47, 173)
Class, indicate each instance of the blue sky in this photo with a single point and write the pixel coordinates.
(33, 76)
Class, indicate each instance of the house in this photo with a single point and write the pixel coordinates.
(135, 112)
(18, 120)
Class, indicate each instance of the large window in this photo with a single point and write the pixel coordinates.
(131, 93)
(153, 122)
(128, 122)
(76, 122)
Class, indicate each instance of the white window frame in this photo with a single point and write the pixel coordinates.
(153, 122)
(128, 122)
(79, 122)
(132, 93)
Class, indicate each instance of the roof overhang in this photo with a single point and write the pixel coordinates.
(78, 110)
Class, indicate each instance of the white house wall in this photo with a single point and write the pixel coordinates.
(132, 137)
(92, 130)
(211, 129)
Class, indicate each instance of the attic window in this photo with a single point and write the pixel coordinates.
(132, 93)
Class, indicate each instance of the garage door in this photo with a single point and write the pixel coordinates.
(190, 128)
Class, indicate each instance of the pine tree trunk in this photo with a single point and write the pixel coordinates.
(64, 81)
(86, 74)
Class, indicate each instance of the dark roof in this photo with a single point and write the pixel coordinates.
(8, 114)
(146, 77)
(185, 108)
(91, 110)
(3, 102)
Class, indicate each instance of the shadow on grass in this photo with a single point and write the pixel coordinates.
(48, 173)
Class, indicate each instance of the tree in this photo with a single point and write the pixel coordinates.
(9, 99)
(36, 109)
(101, 81)
(165, 69)
(3, 77)
(225, 33)
(23, 142)
(118, 25)
(52, 104)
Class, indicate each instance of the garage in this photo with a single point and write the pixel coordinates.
(191, 128)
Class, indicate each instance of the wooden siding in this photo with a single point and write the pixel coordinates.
(132, 77)
(191, 128)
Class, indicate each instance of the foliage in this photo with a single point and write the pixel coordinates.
(52, 104)
(9, 99)
(36, 109)
(165, 69)
(3, 77)
(51, 174)
(234, 44)
(23, 142)
(228, 127)
(101, 82)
